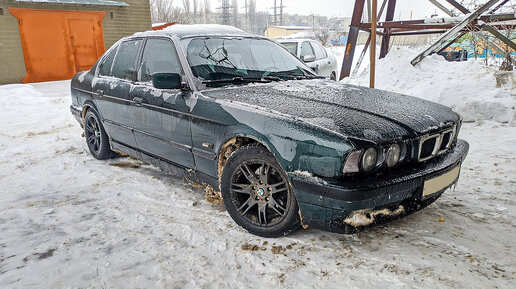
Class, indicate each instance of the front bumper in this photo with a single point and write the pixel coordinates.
(326, 203)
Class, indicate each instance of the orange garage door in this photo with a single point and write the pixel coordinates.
(59, 43)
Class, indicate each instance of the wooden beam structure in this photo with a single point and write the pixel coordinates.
(450, 28)
(458, 6)
(352, 38)
(442, 8)
(499, 36)
(384, 49)
(457, 29)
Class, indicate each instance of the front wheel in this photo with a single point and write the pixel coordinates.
(257, 193)
(96, 137)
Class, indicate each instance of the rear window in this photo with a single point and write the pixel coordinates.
(125, 59)
(291, 46)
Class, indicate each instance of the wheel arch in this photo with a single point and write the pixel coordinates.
(87, 106)
(233, 143)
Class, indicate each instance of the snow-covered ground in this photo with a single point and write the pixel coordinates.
(68, 220)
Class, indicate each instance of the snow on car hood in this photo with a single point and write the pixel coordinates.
(350, 110)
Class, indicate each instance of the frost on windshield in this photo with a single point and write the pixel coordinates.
(243, 58)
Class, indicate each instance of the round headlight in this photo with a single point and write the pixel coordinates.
(392, 157)
(369, 159)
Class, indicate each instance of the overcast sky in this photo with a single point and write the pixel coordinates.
(418, 8)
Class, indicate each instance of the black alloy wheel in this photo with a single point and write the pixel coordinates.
(96, 137)
(257, 193)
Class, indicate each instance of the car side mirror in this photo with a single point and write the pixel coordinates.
(167, 80)
(308, 58)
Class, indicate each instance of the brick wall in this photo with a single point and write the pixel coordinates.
(118, 22)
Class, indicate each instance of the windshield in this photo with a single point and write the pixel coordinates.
(217, 59)
(291, 46)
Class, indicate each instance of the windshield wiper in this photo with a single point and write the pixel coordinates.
(294, 75)
(308, 74)
(240, 79)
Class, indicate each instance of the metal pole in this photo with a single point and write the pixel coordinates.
(384, 48)
(275, 13)
(281, 12)
(373, 44)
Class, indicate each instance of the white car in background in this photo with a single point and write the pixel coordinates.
(314, 55)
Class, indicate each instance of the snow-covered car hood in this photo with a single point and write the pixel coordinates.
(350, 110)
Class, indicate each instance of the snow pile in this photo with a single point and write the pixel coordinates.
(469, 87)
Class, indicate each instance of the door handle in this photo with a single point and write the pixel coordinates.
(138, 101)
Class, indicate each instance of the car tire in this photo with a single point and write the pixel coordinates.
(333, 76)
(96, 137)
(257, 193)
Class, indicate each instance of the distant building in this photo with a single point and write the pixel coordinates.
(44, 40)
(277, 31)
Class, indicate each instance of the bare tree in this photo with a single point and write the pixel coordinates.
(206, 11)
(234, 6)
(252, 15)
(187, 9)
(322, 29)
(165, 11)
(195, 18)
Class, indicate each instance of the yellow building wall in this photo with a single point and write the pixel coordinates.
(272, 32)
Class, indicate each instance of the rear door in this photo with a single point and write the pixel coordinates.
(162, 126)
(112, 91)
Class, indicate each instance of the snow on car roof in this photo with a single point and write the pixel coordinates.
(188, 30)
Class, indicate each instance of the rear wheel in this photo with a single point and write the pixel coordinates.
(96, 137)
(333, 76)
(257, 194)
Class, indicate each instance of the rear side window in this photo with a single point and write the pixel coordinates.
(306, 49)
(159, 55)
(125, 59)
(105, 66)
(320, 52)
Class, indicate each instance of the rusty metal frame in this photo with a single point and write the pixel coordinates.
(389, 28)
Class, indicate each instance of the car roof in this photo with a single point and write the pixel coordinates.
(191, 30)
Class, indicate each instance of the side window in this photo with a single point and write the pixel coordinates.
(291, 46)
(306, 49)
(105, 66)
(125, 60)
(320, 52)
(159, 55)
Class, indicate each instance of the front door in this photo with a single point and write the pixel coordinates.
(113, 91)
(162, 123)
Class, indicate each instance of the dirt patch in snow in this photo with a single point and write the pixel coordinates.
(213, 196)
